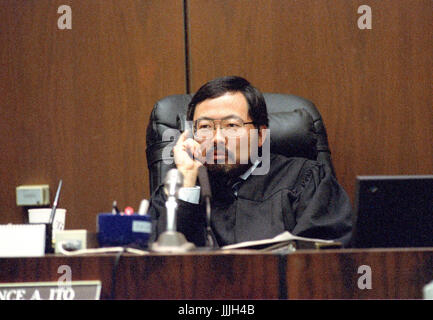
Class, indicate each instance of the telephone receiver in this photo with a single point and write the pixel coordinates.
(184, 125)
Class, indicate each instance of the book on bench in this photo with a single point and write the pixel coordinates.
(284, 240)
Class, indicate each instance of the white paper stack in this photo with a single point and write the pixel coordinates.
(22, 240)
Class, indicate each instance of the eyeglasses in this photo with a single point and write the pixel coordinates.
(205, 128)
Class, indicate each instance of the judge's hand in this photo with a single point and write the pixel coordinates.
(188, 158)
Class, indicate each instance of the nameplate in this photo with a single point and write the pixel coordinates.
(74, 290)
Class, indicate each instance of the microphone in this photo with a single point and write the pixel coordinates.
(173, 182)
(172, 240)
(206, 194)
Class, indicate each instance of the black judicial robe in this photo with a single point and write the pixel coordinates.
(297, 195)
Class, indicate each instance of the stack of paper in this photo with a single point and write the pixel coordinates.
(22, 240)
(280, 240)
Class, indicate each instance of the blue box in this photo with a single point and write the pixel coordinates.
(122, 230)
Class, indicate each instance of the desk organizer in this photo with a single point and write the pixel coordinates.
(122, 230)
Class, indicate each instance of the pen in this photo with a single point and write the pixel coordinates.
(56, 199)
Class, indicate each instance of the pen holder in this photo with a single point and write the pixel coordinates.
(49, 247)
(122, 230)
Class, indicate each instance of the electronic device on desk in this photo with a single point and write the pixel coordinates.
(126, 228)
(393, 211)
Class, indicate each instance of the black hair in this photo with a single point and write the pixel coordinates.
(215, 88)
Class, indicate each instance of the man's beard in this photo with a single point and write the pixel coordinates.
(227, 171)
(221, 179)
(222, 176)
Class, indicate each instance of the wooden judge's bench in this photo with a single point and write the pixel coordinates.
(399, 273)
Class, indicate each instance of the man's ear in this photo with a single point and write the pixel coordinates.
(262, 135)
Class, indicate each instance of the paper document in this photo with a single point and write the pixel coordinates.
(282, 238)
(22, 240)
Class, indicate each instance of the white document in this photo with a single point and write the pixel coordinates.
(22, 240)
(282, 238)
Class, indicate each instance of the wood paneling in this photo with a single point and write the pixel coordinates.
(46, 269)
(189, 276)
(329, 274)
(394, 274)
(75, 103)
(373, 87)
(207, 276)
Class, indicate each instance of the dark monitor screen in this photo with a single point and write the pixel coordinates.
(393, 211)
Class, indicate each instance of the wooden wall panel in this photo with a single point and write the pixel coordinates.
(373, 87)
(198, 276)
(398, 273)
(75, 103)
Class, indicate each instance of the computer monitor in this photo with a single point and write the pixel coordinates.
(393, 211)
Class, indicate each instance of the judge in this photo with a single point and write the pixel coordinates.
(252, 199)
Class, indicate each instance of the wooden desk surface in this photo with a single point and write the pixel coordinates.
(308, 274)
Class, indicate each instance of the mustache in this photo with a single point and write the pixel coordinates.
(218, 149)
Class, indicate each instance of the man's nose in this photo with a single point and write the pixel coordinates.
(218, 136)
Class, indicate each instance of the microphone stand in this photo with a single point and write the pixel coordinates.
(172, 240)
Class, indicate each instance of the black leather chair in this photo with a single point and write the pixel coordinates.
(296, 130)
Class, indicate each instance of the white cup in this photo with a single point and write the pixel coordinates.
(428, 291)
(42, 215)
